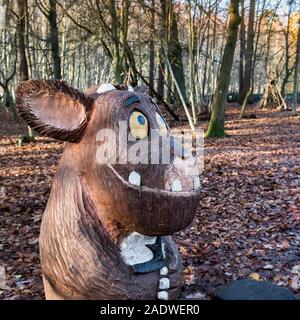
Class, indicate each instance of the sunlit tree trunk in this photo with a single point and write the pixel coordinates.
(216, 124)
(242, 53)
(296, 73)
(288, 69)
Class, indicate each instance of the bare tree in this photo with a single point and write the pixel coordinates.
(23, 64)
(152, 45)
(217, 120)
(51, 14)
(8, 63)
(242, 52)
(288, 66)
(248, 55)
(296, 72)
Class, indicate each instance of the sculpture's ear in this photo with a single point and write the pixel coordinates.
(54, 109)
(142, 89)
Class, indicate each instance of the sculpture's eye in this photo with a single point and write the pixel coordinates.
(162, 125)
(138, 125)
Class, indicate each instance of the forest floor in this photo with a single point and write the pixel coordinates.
(247, 223)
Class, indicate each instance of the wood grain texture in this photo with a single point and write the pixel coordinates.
(53, 108)
(92, 207)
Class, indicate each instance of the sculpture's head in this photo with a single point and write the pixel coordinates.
(151, 187)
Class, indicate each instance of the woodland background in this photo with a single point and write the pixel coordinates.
(95, 41)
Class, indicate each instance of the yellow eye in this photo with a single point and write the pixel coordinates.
(138, 125)
(162, 125)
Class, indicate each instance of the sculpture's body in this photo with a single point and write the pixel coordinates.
(104, 233)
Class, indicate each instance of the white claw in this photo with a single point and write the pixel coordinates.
(197, 183)
(164, 271)
(129, 88)
(164, 283)
(162, 295)
(176, 186)
(163, 249)
(134, 178)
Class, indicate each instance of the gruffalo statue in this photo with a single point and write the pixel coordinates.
(106, 231)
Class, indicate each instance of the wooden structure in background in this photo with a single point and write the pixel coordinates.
(272, 97)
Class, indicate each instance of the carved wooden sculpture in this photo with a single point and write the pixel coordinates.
(105, 233)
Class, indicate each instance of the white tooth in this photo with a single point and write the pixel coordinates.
(197, 183)
(105, 87)
(134, 178)
(176, 186)
(162, 295)
(164, 271)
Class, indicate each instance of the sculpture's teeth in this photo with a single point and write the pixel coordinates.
(197, 183)
(134, 178)
(176, 186)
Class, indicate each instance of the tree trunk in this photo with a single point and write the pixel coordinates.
(249, 53)
(296, 73)
(242, 53)
(216, 124)
(180, 95)
(8, 100)
(175, 52)
(23, 66)
(116, 57)
(287, 54)
(163, 40)
(54, 41)
(152, 46)
(192, 54)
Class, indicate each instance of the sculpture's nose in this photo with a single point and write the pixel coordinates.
(182, 174)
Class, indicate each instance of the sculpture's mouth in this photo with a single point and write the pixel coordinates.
(150, 211)
(173, 188)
